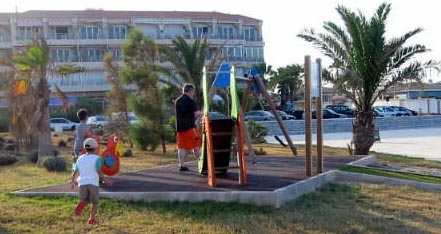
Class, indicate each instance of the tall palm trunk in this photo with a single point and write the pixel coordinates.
(45, 147)
(363, 132)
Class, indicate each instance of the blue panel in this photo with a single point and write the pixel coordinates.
(222, 79)
(56, 101)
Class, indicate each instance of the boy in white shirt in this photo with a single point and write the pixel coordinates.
(86, 175)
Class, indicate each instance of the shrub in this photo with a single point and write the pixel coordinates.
(11, 147)
(33, 156)
(7, 160)
(54, 164)
(260, 151)
(143, 137)
(128, 153)
(2, 142)
(4, 121)
(62, 143)
(257, 131)
(56, 152)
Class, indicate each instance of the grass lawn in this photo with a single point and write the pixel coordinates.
(356, 208)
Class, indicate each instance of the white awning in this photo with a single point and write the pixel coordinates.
(29, 22)
(63, 21)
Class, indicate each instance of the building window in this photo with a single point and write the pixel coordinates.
(89, 32)
(28, 32)
(200, 31)
(61, 55)
(250, 34)
(92, 55)
(117, 32)
(253, 53)
(232, 53)
(117, 54)
(226, 32)
(4, 35)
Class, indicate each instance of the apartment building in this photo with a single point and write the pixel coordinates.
(81, 38)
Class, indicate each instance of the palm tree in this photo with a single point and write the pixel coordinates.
(264, 70)
(287, 81)
(188, 61)
(365, 64)
(34, 62)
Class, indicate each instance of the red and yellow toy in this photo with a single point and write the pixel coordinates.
(110, 154)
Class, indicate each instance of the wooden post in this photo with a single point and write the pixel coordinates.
(278, 118)
(308, 117)
(251, 152)
(319, 118)
(210, 155)
(243, 179)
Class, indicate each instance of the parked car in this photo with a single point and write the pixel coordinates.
(217, 115)
(384, 111)
(342, 109)
(403, 111)
(259, 115)
(65, 124)
(118, 117)
(286, 116)
(97, 121)
(327, 114)
(133, 119)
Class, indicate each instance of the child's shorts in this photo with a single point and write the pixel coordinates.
(89, 193)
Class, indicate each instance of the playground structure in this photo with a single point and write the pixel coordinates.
(226, 137)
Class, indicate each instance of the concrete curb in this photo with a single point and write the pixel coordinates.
(344, 177)
(368, 160)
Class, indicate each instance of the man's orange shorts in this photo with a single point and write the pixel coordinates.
(189, 139)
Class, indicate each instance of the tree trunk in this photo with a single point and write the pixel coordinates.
(363, 132)
(164, 148)
(45, 147)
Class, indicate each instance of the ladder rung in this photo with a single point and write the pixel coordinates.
(223, 168)
(221, 133)
(221, 150)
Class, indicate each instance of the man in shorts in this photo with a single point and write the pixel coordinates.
(188, 138)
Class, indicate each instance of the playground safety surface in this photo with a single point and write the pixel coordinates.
(269, 173)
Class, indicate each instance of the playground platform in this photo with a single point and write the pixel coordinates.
(272, 180)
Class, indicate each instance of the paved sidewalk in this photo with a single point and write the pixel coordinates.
(417, 142)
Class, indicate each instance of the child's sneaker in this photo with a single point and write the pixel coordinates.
(93, 221)
(80, 207)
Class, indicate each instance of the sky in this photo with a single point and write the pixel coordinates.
(282, 20)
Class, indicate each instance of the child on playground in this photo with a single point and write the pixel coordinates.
(82, 132)
(86, 175)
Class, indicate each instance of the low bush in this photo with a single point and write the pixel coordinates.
(62, 143)
(128, 153)
(11, 147)
(260, 151)
(7, 160)
(32, 156)
(257, 132)
(143, 138)
(54, 164)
